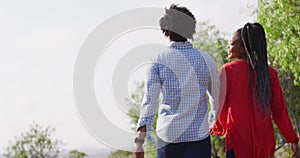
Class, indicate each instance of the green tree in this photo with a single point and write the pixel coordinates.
(212, 41)
(77, 154)
(281, 20)
(37, 142)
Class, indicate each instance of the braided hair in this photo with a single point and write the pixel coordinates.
(254, 40)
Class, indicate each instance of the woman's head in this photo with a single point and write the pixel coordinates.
(178, 23)
(254, 40)
(236, 47)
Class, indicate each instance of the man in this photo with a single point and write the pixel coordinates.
(184, 75)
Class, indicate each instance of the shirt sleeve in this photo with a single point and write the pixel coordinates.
(149, 104)
(220, 126)
(213, 91)
(280, 113)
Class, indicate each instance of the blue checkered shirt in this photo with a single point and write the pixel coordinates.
(188, 79)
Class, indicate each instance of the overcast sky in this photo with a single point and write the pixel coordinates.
(40, 41)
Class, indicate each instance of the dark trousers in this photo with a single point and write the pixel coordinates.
(230, 154)
(197, 149)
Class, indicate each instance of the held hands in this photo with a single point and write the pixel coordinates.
(139, 151)
(296, 150)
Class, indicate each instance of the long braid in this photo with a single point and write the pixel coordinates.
(254, 40)
(245, 38)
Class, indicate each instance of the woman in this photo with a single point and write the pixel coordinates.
(252, 97)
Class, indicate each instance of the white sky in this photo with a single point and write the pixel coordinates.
(39, 44)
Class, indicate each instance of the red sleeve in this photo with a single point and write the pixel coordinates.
(220, 126)
(279, 110)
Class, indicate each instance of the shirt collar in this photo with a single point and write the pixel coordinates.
(180, 45)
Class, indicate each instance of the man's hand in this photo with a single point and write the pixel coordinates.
(296, 150)
(139, 151)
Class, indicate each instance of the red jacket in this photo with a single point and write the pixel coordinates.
(248, 131)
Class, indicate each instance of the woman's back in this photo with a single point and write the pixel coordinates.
(248, 129)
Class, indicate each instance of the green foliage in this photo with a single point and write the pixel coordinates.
(135, 103)
(281, 21)
(34, 143)
(37, 142)
(210, 40)
(217, 146)
(77, 154)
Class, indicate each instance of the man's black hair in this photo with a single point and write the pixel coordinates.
(178, 23)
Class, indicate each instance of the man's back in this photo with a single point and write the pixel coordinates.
(183, 75)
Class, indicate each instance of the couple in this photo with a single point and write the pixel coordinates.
(244, 98)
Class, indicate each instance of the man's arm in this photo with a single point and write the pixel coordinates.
(148, 109)
(150, 100)
(213, 91)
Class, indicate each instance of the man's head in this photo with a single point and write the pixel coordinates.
(178, 23)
